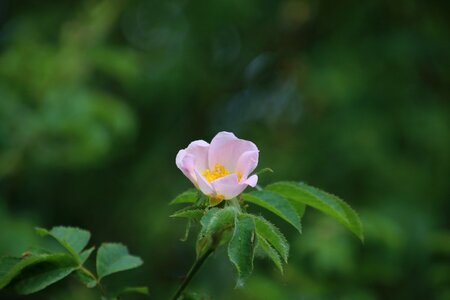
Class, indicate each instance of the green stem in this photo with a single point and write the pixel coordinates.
(195, 267)
(97, 280)
(235, 203)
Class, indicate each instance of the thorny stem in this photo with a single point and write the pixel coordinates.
(195, 267)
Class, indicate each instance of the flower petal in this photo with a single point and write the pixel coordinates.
(195, 156)
(252, 180)
(247, 162)
(199, 150)
(226, 149)
(204, 185)
(185, 163)
(228, 186)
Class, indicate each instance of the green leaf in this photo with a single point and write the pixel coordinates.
(241, 249)
(71, 238)
(41, 278)
(299, 207)
(323, 201)
(11, 268)
(6, 264)
(271, 234)
(214, 223)
(189, 212)
(113, 257)
(276, 204)
(218, 219)
(35, 272)
(271, 252)
(189, 196)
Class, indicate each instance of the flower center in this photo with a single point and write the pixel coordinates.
(218, 172)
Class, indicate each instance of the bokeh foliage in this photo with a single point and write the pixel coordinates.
(96, 98)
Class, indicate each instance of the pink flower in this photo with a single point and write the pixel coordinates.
(221, 169)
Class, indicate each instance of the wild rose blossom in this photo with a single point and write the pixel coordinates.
(221, 169)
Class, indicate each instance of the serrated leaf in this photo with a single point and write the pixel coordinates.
(219, 218)
(323, 201)
(241, 248)
(271, 234)
(40, 279)
(85, 277)
(114, 257)
(71, 238)
(12, 271)
(276, 204)
(271, 252)
(33, 273)
(189, 196)
(214, 223)
(191, 213)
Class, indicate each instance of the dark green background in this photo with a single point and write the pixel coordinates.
(96, 98)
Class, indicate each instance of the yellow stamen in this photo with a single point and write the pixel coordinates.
(218, 172)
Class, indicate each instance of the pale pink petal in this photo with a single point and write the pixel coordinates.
(247, 163)
(226, 149)
(195, 156)
(199, 150)
(185, 163)
(203, 184)
(228, 186)
(252, 180)
(179, 158)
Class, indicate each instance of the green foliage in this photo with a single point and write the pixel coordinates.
(6, 264)
(189, 196)
(113, 258)
(272, 235)
(189, 212)
(325, 202)
(276, 204)
(270, 252)
(249, 231)
(39, 276)
(86, 277)
(72, 239)
(38, 268)
(241, 248)
(214, 225)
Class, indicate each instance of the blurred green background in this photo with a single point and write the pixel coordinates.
(96, 98)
